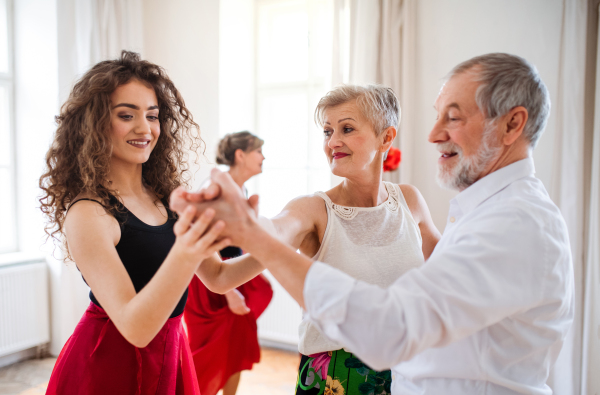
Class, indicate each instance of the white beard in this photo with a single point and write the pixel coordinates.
(468, 169)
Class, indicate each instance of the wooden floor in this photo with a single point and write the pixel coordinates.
(274, 375)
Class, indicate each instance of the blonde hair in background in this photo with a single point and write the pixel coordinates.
(244, 140)
(377, 103)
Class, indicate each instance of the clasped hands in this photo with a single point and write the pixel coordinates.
(224, 196)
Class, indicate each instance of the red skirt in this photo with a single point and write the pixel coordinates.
(223, 343)
(98, 360)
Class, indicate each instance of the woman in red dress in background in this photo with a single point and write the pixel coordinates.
(222, 328)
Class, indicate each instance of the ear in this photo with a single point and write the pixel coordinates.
(388, 136)
(515, 122)
(239, 156)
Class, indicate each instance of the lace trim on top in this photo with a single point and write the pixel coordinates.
(392, 203)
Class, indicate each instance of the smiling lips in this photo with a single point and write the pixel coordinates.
(139, 143)
(447, 155)
(339, 155)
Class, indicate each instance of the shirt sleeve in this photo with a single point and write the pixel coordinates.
(495, 266)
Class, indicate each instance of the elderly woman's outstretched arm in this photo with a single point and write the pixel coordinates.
(291, 226)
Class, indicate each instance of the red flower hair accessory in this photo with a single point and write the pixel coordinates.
(393, 159)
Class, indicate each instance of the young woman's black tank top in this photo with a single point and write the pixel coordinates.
(230, 252)
(143, 248)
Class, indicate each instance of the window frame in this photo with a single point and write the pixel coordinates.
(7, 79)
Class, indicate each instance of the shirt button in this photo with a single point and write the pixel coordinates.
(452, 219)
(393, 377)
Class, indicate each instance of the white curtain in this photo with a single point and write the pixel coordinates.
(94, 30)
(105, 27)
(568, 183)
(88, 31)
(373, 43)
(590, 379)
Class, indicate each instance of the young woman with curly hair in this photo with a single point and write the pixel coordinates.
(117, 154)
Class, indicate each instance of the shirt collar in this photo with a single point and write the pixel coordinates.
(493, 183)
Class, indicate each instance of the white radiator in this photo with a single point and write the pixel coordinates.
(24, 316)
(279, 323)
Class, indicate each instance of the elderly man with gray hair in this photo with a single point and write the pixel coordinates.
(488, 312)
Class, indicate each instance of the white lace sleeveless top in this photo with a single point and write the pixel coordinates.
(373, 244)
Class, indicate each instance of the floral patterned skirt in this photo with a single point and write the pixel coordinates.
(340, 373)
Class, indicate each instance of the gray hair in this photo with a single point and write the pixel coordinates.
(377, 103)
(508, 81)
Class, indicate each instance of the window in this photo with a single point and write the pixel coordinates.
(8, 240)
(275, 65)
(293, 68)
(292, 74)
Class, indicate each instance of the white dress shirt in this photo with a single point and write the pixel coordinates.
(486, 314)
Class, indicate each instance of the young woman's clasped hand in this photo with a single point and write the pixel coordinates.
(194, 242)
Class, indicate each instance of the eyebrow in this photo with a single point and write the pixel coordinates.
(452, 105)
(341, 120)
(133, 106)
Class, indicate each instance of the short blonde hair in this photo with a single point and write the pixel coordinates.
(245, 141)
(377, 103)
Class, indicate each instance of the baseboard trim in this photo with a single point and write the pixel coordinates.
(278, 345)
(30, 353)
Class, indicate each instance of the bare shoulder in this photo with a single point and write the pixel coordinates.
(411, 193)
(87, 215)
(86, 205)
(307, 205)
(300, 218)
(414, 200)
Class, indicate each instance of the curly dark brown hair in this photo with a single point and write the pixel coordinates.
(78, 159)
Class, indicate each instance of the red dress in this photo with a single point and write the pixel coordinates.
(87, 363)
(98, 360)
(223, 343)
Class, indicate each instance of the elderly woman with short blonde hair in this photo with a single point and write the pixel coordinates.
(373, 230)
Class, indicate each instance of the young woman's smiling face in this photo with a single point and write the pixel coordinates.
(350, 143)
(134, 122)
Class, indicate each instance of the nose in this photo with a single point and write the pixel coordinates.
(142, 126)
(438, 133)
(334, 140)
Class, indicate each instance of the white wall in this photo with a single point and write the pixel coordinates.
(449, 32)
(183, 37)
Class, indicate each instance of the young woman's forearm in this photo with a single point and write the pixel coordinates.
(145, 314)
(221, 277)
(142, 317)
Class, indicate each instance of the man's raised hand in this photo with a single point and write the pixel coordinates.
(227, 199)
